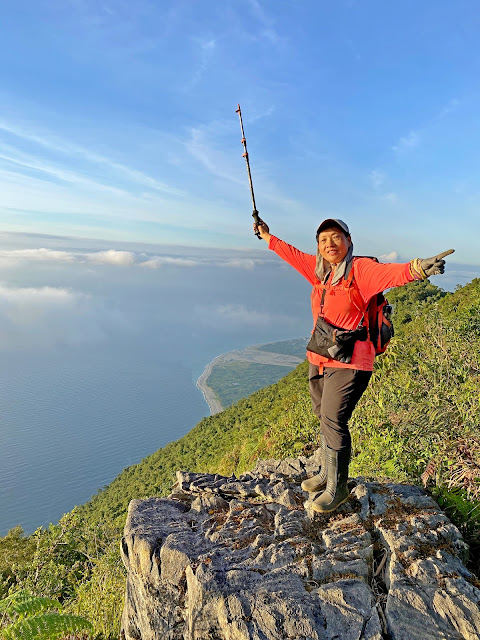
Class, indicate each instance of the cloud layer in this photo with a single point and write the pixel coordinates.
(42, 317)
(118, 258)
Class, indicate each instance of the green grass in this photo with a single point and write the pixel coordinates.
(237, 379)
(295, 347)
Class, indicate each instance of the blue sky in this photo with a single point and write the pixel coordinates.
(118, 121)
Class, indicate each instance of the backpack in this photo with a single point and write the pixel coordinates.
(378, 315)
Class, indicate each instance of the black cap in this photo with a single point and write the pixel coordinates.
(333, 222)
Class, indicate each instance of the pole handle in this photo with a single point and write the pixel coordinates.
(257, 220)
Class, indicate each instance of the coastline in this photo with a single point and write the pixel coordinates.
(209, 394)
(249, 354)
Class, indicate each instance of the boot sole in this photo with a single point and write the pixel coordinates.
(319, 510)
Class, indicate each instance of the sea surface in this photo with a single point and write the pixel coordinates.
(99, 370)
(69, 423)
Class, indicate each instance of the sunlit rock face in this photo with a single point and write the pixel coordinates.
(247, 559)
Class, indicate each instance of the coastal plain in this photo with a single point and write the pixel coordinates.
(236, 374)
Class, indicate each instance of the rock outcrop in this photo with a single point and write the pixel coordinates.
(242, 559)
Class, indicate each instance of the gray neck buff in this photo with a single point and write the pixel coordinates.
(323, 266)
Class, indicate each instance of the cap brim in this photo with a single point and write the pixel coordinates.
(332, 222)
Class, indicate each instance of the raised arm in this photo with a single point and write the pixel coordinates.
(304, 263)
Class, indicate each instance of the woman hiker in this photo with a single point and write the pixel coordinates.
(336, 386)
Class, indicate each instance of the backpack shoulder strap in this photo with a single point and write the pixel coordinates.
(353, 291)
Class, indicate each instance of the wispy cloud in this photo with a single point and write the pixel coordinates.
(68, 150)
(377, 178)
(206, 143)
(201, 145)
(449, 108)
(414, 137)
(268, 30)
(408, 142)
(229, 316)
(391, 197)
(57, 173)
(206, 51)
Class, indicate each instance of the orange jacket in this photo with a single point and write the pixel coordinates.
(338, 307)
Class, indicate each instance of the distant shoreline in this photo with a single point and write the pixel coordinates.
(249, 354)
(209, 394)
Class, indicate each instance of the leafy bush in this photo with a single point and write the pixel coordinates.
(28, 617)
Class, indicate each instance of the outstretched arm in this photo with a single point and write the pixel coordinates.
(373, 277)
(427, 267)
(304, 263)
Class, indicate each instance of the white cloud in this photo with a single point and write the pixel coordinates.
(408, 142)
(30, 295)
(11, 258)
(389, 257)
(45, 316)
(113, 257)
(159, 261)
(242, 263)
(14, 257)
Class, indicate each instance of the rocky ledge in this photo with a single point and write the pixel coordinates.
(244, 559)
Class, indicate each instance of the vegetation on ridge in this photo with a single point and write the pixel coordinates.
(231, 381)
(420, 413)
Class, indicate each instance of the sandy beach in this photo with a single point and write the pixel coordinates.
(210, 396)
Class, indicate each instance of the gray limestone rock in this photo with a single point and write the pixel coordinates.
(241, 559)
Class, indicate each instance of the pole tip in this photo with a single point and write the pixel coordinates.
(238, 109)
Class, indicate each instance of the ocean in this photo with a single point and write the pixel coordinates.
(99, 377)
(71, 422)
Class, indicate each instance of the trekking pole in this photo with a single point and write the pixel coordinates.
(245, 155)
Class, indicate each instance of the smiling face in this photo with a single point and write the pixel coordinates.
(333, 244)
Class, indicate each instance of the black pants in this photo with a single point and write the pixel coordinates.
(334, 394)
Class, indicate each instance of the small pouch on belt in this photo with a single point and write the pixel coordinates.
(334, 342)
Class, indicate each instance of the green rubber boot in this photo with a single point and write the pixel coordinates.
(337, 491)
(315, 483)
